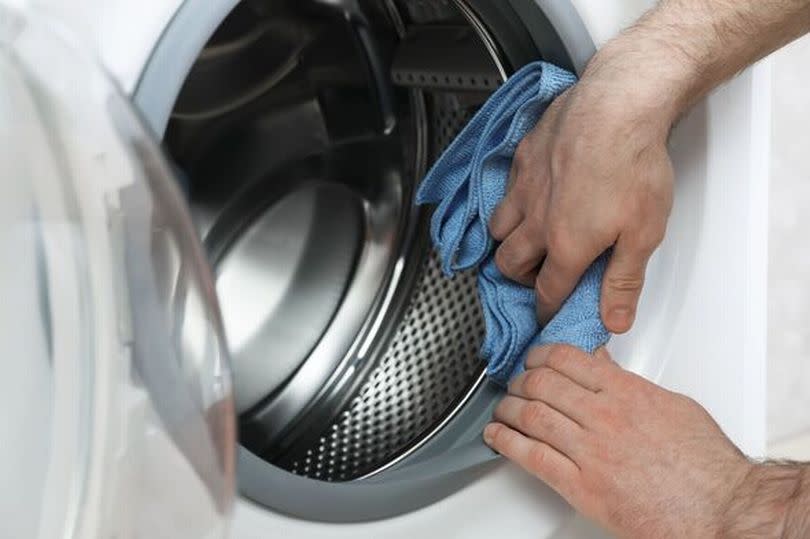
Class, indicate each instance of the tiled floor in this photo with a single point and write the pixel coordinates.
(789, 255)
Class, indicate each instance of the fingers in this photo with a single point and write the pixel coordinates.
(572, 362)
(519, 256)
(540, 421)
(556, 280)
(555, 389)
(508, 214)
(622, 284)
(538, 458)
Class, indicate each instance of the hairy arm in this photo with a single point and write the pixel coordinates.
(683, 49)
(772, 501)
(596, 173)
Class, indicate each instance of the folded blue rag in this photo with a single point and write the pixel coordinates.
(466, 183)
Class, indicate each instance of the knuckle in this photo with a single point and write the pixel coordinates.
(537, 457)
(654, 237)
(497, 223)
(568, 250)
(544, 291)
(496, 230)
(507, 260)
(541, 290)
(650, 237)
(502, 259)
(625, 282)
(561, 355)
(531, 415)
(536, 357)
(533, 228)
(534, 382)
(501, 438)
(558, 239)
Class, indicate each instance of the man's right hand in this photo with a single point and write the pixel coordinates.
(595, 172)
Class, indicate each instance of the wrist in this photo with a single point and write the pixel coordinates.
(765, 502)
(654, 81)
(674, 55)
(797, 521)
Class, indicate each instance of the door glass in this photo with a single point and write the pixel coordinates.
(116, 413)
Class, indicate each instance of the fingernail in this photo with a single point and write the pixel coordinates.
(489, 434)
(621, 318)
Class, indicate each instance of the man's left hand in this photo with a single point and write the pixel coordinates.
(638, 459)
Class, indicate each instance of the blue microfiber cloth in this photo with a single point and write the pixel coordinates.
(467, 183)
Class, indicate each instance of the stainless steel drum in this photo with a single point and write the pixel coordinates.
(302, 131)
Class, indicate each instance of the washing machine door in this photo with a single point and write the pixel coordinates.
(117, 417)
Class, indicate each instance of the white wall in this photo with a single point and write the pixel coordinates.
(789, 270)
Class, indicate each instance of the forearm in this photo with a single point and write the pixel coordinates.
(773, 501)
(682, 49)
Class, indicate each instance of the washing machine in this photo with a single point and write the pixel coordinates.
(221, 314)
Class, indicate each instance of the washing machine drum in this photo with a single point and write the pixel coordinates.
(300, 134)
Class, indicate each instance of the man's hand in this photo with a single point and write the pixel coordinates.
(595, 171)
(638, 459)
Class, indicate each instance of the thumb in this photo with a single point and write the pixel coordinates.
(622, 284)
